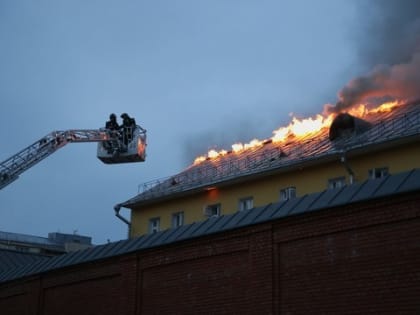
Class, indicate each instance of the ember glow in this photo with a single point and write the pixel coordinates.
(298, 129)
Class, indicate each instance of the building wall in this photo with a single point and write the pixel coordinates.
(98, 288)
(307, 179)
(357, 259)
(362, 260)
(55, 244)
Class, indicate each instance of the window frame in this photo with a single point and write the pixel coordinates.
(288, 193)
(245, 203)
(153, 227)
(177, 219)
(211, 207)
(381, 171)
(337, 182)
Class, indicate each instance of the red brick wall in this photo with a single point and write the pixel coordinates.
(375, 269)
(13, 300)
(215, 275)
(359, 259)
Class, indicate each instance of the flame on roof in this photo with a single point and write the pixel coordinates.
(299, 129)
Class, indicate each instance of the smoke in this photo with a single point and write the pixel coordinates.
(400, 81)
(229, 130)
(391, 47)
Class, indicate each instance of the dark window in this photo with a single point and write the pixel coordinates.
(177, 219)
(212, 210)
(378, 172)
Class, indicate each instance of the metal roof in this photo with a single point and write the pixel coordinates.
(10, 259)
(403, 122)
(371, 189)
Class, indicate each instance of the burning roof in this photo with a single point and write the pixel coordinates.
(363, 127)
(395, 75)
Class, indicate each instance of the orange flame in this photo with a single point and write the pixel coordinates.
(363, 110)
(301, 128)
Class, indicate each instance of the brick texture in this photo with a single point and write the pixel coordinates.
(357, 259)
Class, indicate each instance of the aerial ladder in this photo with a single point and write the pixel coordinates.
(114, 146)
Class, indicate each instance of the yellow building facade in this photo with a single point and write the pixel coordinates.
(302, 172)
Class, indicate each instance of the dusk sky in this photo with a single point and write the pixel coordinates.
(196, 74)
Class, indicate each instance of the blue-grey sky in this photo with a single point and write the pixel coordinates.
(197, 74)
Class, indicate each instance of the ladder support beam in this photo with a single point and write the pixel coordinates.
(11, 168)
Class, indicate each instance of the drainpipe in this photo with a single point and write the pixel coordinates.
(117, 208)
(343, 160)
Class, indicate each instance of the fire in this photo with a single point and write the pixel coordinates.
(298, 128)
(363, 110)
(253, 144)
(301, 128)
(237, 147)
(386, 107)
(199, 159)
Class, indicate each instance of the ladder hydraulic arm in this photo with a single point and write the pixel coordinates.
(11, 168)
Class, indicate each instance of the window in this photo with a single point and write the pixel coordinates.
(154, 225)
(177, 219)
(245, 203)
(212, 210)
(287, 193)
(337, 182)
(378, 172)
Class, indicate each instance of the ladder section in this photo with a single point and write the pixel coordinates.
(11, 168)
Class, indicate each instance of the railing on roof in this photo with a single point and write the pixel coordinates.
(231, 165)
(260, 159)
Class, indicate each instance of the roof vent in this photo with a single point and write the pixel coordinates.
(345, 125)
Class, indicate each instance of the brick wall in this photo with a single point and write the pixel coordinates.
(359, 259)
